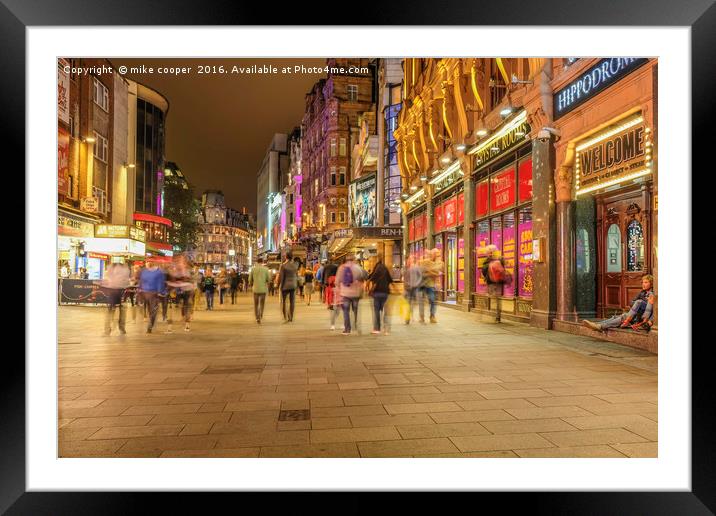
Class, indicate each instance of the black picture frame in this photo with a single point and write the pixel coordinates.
(700, 15)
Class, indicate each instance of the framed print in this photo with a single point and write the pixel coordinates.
(229, 317)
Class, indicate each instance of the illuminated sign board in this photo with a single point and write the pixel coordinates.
(363, 202)
(600, 76)
(620, 153)
(120, 231)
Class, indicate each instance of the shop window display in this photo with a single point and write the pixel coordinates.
(526, 265)
(482, 240)
(635, 247)
(508, 250)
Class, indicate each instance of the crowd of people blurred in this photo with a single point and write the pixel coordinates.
(156, 290)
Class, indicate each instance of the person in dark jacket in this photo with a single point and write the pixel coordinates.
(380, 280)
(288, 282)
(234, 280)
(329, 271)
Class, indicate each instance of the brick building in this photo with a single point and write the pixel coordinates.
(330, 129)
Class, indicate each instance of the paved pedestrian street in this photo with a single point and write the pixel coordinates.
(465, 387)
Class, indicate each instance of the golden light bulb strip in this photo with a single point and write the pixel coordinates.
(612, 132)
(635, 175)
(520, 118)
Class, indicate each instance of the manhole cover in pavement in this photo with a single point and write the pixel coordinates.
(294, 415)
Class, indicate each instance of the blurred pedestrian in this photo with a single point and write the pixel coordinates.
(183, 281)
(259, 280)
(349, 284)
(412, 282)
(496, 277)
(116, 279)
(431, 269)
(308, 286)
(380, 280)
(288, 282)
(234, 280)
(209, 288)
(222, 283)
(151, 282)
(300, 275)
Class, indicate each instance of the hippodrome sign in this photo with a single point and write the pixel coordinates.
(605, 73)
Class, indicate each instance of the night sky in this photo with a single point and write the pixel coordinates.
(219, 125)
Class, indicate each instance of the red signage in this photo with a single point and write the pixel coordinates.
(418, 227)
(63, 161)
(439, 218)
(423, 225)
(502, 190)
(524, 190)
(152, 218)
(481, 199)
(461, 208)
(450, 213)
(99, 256)
(411, 229)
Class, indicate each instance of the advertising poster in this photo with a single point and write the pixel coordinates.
(63, 161)
(482, 240)
(439, 223)
(525, 255)
(63, 91)
(77, 291)
(481, 191)
(450, 213)
(460, 209)
(363, 204)
(508, 251)
(461, 265)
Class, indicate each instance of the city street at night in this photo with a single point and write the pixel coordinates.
(464, 387)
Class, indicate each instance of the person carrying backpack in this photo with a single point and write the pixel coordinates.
(496, 277)
(349, 286)
(209, 287)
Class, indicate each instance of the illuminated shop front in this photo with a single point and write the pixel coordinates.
(449, 218)
(502, 179)
(157, 233)
(606, 185)
(73, 231)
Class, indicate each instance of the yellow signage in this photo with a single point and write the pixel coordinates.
(119, 231)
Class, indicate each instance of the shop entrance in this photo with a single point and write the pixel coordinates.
(624, 232)
(450, 267)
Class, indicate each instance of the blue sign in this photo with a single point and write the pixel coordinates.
(600, 76)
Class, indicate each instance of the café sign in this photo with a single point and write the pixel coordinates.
(68, 225)
(600, 76)
(619, 153)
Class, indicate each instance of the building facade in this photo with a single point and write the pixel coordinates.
(226, 238)
(330, 128)
(292, 201)
(273, 170)
(553, 161)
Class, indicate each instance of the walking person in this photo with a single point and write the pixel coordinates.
(287, 283)
(329, 271)
(164, 297)
(431, 268)
(412, 282)
(151, 282)
(496, 277)
(300, 275)
(116, 279)
(319, 280)
(349, 285)
(234, 280)
(222, 283)
(209, 287)
(184, 283)
(259, 280)
(380, 280)
(309, 285)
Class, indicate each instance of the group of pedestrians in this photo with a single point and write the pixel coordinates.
(210, 284)
(149, 287)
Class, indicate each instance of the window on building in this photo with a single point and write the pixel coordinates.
(333, 176)
(333, 216)
(342, 216)
(342, 178)
(101, 95)
(100, 147)
(315, 186)
(342, 149)
(353, 92)
(333, 147)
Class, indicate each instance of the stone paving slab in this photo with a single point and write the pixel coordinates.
(459, 388)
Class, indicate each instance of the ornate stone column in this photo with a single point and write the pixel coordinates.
(430, 238)
(566, 268)
(544, 297)
(469, 237)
